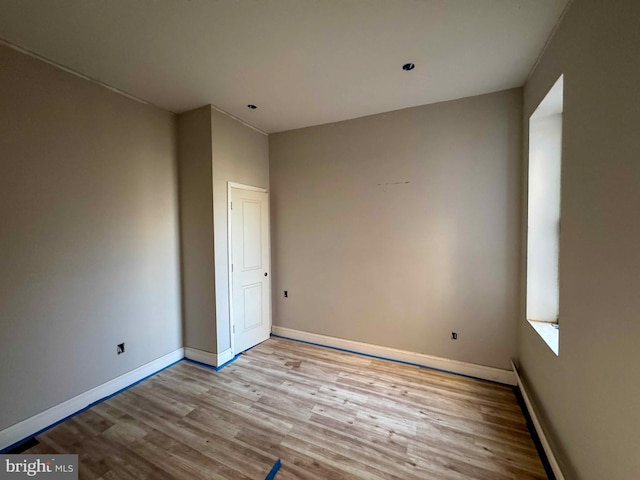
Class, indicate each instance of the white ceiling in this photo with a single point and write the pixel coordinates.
(302, 62)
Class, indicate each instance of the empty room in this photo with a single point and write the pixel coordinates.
(320, 239)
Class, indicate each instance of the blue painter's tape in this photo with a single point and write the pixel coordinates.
(534, 435)
(24, 440)
(274, 470)
(211, 367)
(385, 358)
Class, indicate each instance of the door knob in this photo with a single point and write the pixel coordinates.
(265, 274)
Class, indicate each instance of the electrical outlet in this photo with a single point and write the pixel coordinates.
(120, 348)
(286, 294)
(454, 336)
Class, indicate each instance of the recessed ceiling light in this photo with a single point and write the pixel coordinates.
(408, 66)
(251, 106)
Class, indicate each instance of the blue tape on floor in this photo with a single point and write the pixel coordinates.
(19, 443)
(27, 439)
(534, 435)
(274, 470)
(211, 367)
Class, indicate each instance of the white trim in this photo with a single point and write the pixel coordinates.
(42, 420)
(549, 39)
(208, 358)
(246, 124)
(242, 186)
(225, 357)
(555, 467)
(454, 366)
(78, 74)
(232, 335)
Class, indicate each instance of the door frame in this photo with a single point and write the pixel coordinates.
(242, 186)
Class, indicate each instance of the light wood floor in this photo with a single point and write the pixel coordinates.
(326, 414)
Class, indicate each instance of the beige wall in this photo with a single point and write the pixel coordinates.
(588, 395)
(241, 155)
(214, 149)
(88, 236)
(196, 229)
(396, 229)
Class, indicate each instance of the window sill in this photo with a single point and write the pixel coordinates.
(549, 332)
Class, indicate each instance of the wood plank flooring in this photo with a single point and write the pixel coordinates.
(326, 414)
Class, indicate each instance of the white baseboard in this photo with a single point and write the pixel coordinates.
(454, 366)
(208, 358)
(546, 446)
(35, 424)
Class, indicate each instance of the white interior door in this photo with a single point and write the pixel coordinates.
(250, 268)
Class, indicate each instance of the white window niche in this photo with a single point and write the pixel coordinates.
(543, 216)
